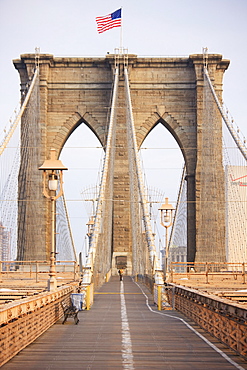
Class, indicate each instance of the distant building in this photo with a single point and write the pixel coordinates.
(178, 254)
(236, 213)
(178, 240)
(4, 243)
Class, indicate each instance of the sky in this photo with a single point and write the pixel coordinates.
(150, 28)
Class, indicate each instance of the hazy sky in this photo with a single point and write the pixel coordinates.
(150, 28)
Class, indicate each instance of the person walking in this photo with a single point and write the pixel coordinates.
(121, 271)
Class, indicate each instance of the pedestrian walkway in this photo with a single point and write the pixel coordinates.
(122, 331)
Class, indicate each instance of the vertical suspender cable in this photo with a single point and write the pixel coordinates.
(146, 217)
(180, 192)
(109, 148)
(69, 227)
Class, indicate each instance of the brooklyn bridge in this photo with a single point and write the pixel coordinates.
(135, 304)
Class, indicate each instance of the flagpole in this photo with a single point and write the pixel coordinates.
(121, 33)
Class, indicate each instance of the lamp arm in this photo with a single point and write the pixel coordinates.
(169, 225)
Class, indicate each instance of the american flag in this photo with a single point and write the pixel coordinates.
(109, 21)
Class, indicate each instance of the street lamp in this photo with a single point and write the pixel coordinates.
(90, 229)
(52, 174)
(166, 218)
(90, 226)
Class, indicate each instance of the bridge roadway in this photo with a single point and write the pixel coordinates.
(123, 331)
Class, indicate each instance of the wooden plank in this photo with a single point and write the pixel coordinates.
(158, 341)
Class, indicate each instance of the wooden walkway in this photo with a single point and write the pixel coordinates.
(122, 332)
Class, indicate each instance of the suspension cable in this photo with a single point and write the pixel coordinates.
(15, 124)
(230, 127)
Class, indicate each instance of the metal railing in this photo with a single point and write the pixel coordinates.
(18, 317)
(220, 317)
(207, 272)
(37, 270)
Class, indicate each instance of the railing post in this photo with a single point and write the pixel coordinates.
(75, 265)
(172, 272)
(88, 297)
(159, 287)
(173, 297)
(1, 266)
(37, 271)
(243, 273)
(206, 272)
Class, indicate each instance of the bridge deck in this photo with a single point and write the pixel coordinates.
(122, 332)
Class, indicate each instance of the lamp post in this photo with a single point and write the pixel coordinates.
(90, 226)
(52, 174)
(166, 218)
(90, 229)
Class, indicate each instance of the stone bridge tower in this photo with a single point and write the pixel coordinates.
(75, 91)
